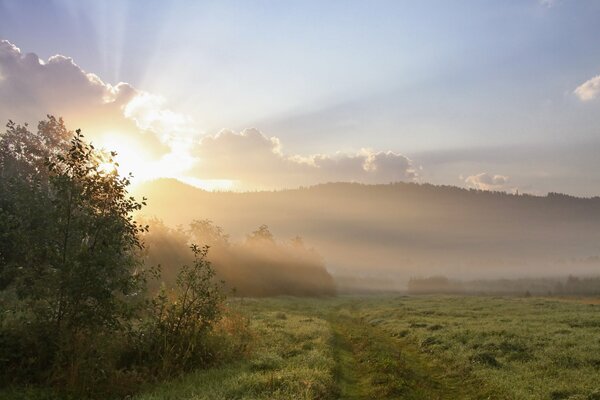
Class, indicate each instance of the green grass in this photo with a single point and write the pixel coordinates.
(396, 347)
(517, 348)
(291, 359)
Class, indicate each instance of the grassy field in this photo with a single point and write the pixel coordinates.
(396, 347)
(516, 348)
(409, 348)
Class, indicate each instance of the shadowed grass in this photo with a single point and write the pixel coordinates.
(374, 365)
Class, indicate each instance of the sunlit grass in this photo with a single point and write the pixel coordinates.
(453, 347)
(519, 348)
(430, 347)
(290, 359)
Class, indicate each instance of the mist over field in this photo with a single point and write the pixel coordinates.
(258, 265)
(387, 234)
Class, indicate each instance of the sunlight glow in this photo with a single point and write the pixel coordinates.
(107, 168)
(211, 185)
(134, 157)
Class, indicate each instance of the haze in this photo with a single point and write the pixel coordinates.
(267, 97)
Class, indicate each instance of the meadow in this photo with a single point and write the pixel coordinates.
(400, 347)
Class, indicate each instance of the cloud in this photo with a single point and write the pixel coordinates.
(135, 123)
(258, 161)
(155, 141)
(547, 3)
(485, 181)
(149, 113)
(588, 90)
(31, 87)
(30, 84)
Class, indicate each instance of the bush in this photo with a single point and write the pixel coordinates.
(177, 323)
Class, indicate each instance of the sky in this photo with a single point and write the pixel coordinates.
(493, 95)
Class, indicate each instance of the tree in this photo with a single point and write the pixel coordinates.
(96, 238)
(25, 198)
(68, 262)
(261, 236)
(206, 232)
(72, 281)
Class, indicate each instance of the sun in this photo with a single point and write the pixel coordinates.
(131, 157)
(107, 168)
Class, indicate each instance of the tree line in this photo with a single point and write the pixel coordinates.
(258, 265)
(569, 286)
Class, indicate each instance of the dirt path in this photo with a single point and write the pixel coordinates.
(349, 372)
(373, 365)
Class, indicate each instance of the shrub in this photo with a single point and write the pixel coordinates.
(174, 331)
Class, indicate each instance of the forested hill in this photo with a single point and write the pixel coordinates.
(406, 229)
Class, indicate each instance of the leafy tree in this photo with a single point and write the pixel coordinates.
(68, 251)
(261, 236)
(25, 198)
(96, 239)
(206, 232)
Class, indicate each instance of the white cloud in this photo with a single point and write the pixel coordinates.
(256, 160)
(547, 3)
(149, 113)
(485, 181)
(155, 141)
(588, 90)
(30, 83)
(32, 88)
(148, 136)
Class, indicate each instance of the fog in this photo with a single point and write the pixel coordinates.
(258, 265)
(381, 236)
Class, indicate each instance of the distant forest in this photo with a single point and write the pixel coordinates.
(572, 285)
(390, 233)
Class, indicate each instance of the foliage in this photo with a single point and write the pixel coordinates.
(261, 236)
(418, 228)
(96, 238)
(180, 318)
(206, 232)
(72, 284)
(67, 260)
(25, 198)
(571, 285)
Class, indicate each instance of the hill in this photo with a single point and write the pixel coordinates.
(396, 231)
